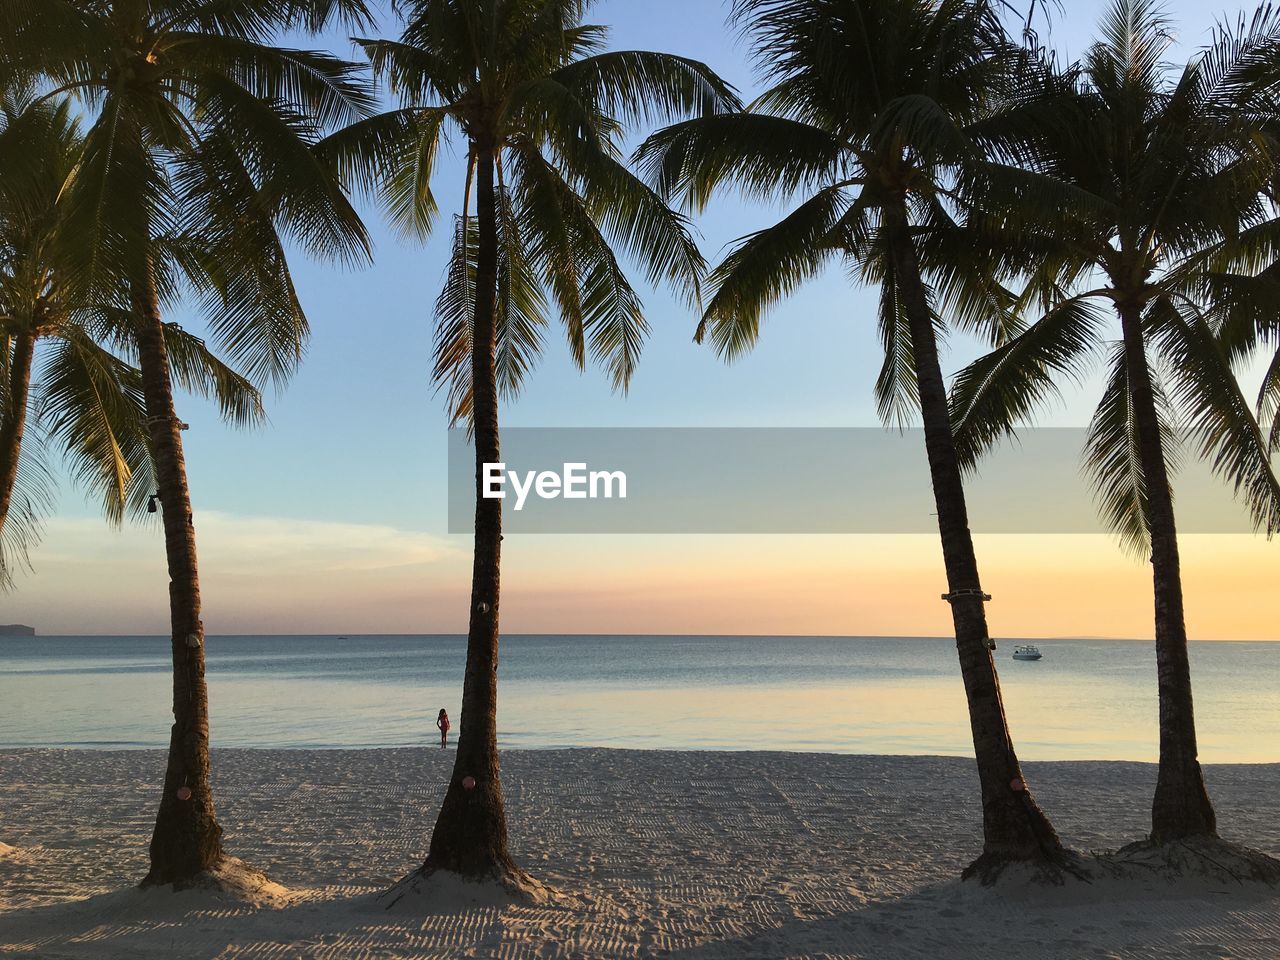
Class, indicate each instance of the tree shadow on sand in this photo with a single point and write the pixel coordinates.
(1114, 916)
(339, 921)
(139, 923)
(1110, 916)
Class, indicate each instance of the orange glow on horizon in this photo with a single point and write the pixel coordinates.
(263, 575)
(1043, 586)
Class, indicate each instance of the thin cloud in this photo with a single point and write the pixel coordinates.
(91, 579)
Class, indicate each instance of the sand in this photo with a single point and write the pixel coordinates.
(700, 856)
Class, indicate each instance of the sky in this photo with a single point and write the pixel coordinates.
(332, 517)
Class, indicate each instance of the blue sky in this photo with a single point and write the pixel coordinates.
(358, 437)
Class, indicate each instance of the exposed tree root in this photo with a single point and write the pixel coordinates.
(1203, 858)
(1206, 859)
(441, 891)
(1047, 869)
(234, 879)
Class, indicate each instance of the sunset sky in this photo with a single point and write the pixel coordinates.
(333, 518)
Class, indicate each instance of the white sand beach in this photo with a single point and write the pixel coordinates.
(700, 856)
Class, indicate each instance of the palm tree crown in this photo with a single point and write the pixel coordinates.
(527, 83)
(1140, 185)
(867, 115)
(196, 165)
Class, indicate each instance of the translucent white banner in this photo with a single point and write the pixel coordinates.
(786, 480)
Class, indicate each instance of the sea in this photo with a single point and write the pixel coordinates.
(1085, 699)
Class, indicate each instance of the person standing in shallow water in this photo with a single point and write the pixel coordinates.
(442, 722)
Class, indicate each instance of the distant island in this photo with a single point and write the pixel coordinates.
(16, 630)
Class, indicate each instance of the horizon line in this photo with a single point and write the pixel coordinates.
(744, 636)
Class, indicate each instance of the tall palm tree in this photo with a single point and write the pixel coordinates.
(196, 167)
(1139, 180)
(84, 397)
(539, 110)
(865, 121)
(35, 147)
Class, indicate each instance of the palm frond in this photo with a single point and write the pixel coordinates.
(1217, 415)
(1135, 36)
(762, 156)
(117, 199)
(90, 404)
(521, 312)
(766, 266)
(392, 156)
(32, 503)
(644, 87)
(897, 388)
(262, 149)
(1113, 458)
(636, 219)
(603, 313)
(455, 321)
(236, 262)
(330, 91)
(1001, 391)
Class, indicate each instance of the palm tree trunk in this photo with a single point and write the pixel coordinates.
(1014, 826)
(1181, 807)
(14, 419)
(187, 839)
(470, 836)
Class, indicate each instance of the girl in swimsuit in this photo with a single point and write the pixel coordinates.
(442, 722)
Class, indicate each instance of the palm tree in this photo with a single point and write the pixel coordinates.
(89, 398)
(84, 398)
(33, 146)
(1138, 181)
(540, 111)
(865, 122)
(196, 167)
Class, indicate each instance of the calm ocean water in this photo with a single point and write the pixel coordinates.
(1090, 699)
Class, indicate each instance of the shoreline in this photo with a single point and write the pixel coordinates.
(745, 753)
(702, 855)
(504, 751)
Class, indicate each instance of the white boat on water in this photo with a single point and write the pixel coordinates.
(1027, 652)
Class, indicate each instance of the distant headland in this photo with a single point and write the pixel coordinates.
(16, 630)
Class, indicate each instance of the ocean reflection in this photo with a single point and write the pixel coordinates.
(1084, 700)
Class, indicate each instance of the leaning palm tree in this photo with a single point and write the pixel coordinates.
(31, 143)
(197, 166)
(89, 398)
(1137, 181)
(539, 110)
(865, 122)
(61, 387)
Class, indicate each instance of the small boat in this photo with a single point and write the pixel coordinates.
(1027, 652)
